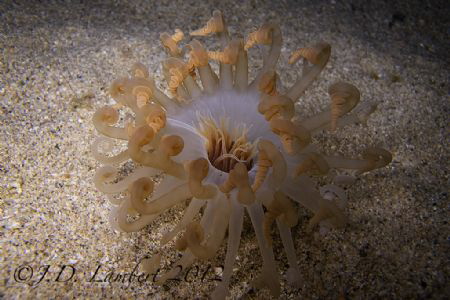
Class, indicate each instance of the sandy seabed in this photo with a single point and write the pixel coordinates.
(57, 60)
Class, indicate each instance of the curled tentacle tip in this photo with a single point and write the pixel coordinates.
(170, 42)
(194, 233)
(214, 25)
(261, 36)
(155, 116)
(376, 157)
(139, 70)
(198, 54)
(106, 173)
(276, 106)
(344, 97)
(142, 135)
(176, 72)
(268, 83)
(144, 185)
(229, 55)
(139, 91)
(172, 144)
(198, 168)
(181, 243)
(269, 156)
(239, 177)
(330, 212)
(178, 35)
(117, 87)
(293, 137)
(365, 111)
(107, 114)
(316, 54)
(281, 208)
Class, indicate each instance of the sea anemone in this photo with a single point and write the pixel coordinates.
(230, 146)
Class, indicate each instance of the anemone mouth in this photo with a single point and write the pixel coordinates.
(225, 146)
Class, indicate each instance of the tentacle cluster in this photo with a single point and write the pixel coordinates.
(244, 151)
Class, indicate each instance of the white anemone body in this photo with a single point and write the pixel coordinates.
(240, 109)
